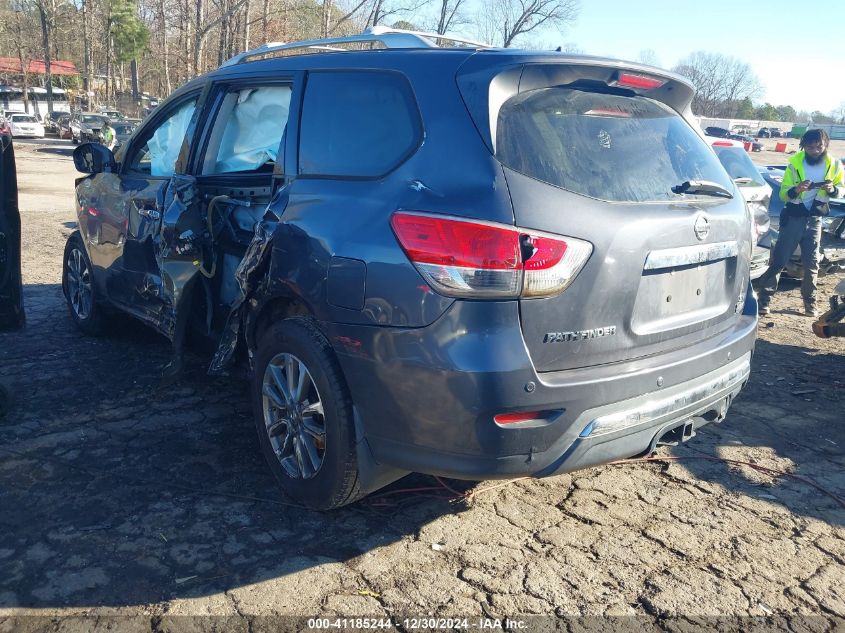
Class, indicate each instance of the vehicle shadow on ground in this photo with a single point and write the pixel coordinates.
(787, 419)
(117, 492)
(60, 151)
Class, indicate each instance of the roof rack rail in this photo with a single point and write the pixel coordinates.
(388, 37)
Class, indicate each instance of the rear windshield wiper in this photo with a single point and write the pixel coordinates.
(702, 186)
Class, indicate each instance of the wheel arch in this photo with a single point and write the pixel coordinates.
(269, 310)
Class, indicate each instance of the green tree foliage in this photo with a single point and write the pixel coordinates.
(746, 109)
(819, 117)
(787, 113)
(129, 35)
(766, 112)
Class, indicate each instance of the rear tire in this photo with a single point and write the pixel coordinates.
(79, 289)
(303, 415)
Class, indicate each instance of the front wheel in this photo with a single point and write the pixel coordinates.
(78, 287)
(303, 415)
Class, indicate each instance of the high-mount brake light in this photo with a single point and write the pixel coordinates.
(638, 82)
(614, 112)
(483, 260)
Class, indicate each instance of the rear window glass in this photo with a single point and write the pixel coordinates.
(357, 124)
(611, 147)
(739, 166)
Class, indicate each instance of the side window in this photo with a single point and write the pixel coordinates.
(248, 130)
(157, 157)
(357, 124)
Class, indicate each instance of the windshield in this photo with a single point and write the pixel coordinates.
(93, 118)
(606, 146)
(738, 165)
(122, 128)
(23, 118)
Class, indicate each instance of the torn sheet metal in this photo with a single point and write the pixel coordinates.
(251, 276)
(179, 253)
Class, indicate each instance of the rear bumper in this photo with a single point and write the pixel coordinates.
(427, 397)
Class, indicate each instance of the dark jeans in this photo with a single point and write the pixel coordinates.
(803, 231)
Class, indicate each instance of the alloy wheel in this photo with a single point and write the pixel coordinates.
(293, 416)
(79, 284)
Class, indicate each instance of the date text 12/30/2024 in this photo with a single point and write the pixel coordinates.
(416, 624)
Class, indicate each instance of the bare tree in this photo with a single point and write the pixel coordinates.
(648, 56)
(721, 82)
(838, 113)
(18, 30)
(449, 15)
(46, 13)
(502, 21)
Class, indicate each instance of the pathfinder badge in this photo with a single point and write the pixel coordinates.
(579, 335)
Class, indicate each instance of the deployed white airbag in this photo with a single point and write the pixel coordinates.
(166, 141)
(254, 129)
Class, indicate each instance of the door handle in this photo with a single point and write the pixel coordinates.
(152, 214)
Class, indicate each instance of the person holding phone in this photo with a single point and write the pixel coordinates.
(811, 179)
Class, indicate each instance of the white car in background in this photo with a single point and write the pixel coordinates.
(756, 192)
(25, 125)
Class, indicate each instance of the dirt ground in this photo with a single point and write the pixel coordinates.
(121, 499)
(768, 155)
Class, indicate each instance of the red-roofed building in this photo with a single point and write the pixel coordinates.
(12, 66)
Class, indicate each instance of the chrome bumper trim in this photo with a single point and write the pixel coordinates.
(687, 255)
(686, 402)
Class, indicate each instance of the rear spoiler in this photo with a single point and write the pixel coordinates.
(486, 83)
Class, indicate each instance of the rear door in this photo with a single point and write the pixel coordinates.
(608, 165)
(11, 300)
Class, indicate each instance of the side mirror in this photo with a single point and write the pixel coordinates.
(93, 158)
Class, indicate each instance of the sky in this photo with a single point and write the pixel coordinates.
(794, 48)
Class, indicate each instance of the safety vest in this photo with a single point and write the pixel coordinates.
(794, 175)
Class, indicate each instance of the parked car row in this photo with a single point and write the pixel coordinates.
(80, 127)
(720, 132)
(21, 125)
(753, 145)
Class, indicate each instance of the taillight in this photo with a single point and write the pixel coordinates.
(463, 258)
(553, 264)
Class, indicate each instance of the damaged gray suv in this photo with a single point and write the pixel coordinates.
(457, 260)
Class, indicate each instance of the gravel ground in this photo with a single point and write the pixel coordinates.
(122, 499)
